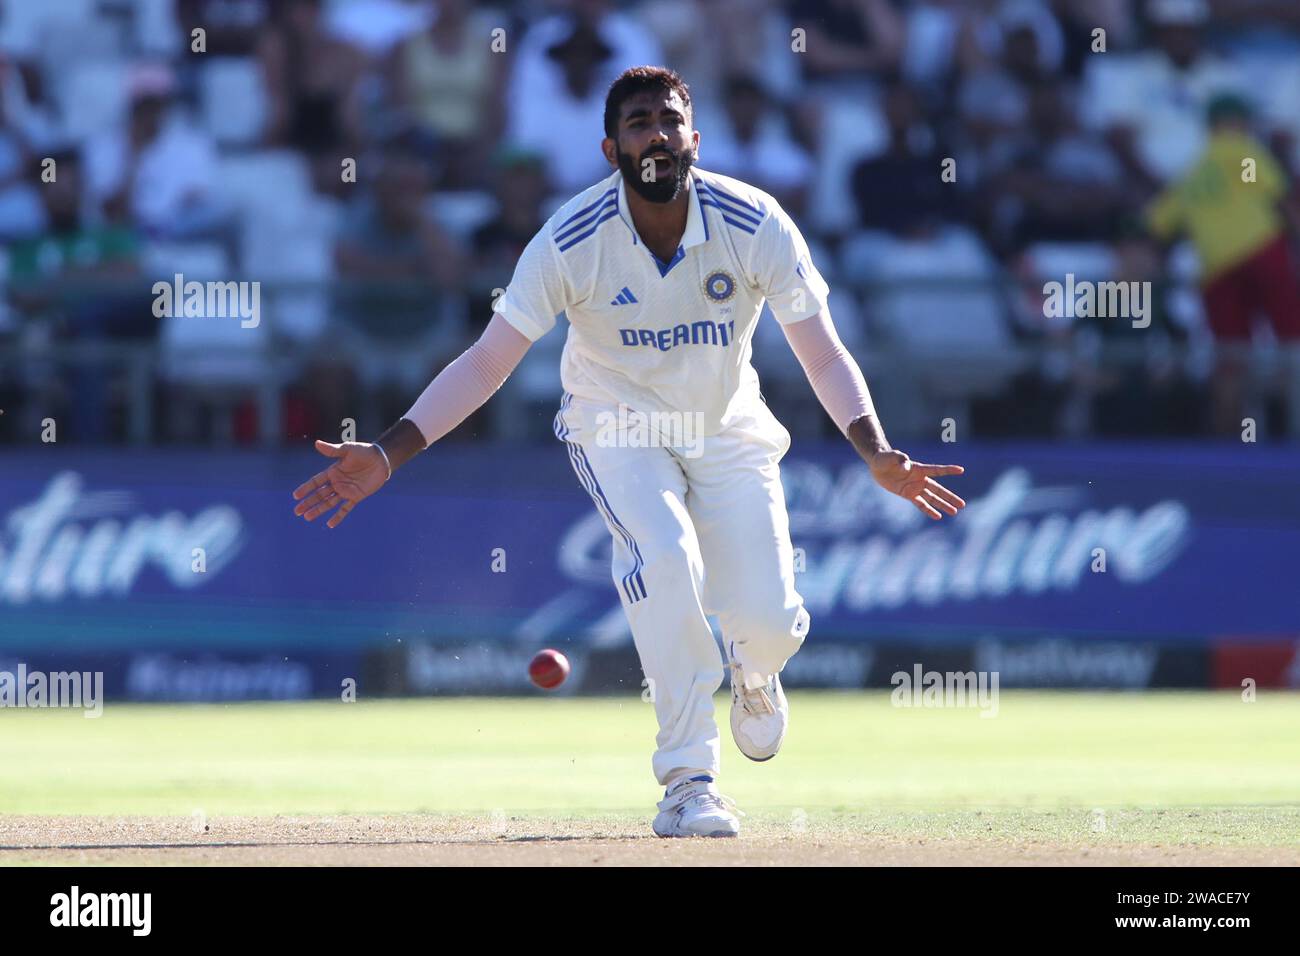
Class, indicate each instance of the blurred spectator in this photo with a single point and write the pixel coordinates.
(232, 27)
(396, 267)
(447, 80)
(754, 145)
(70, 246)
(938, 35)
(313, 83)
(900, 191)
(23, 128)
(563, 68)
(20, 205)
(1002, 63)
(78, 275)
(991, 112)
(158, 171)
(1238, 226)
(376, 26)
(847, 37)
(393, 250)
(746, 37)
(1156, 394)
(1057, 148)
(23, 106)
(1152, 103)
(1080, 18)
(1023, 37)
(1068, 183)
(1006, 55)
(520, 189)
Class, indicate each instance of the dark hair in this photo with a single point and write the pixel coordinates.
(641, 79)
(1227, 106)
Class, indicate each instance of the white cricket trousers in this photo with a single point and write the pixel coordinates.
(697, 529)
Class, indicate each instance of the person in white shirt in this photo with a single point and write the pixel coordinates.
(157, 171)
(662, 269)
(1151, 103)
(754, 144)
(563, 65)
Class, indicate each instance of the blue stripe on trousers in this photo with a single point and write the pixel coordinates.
(633, 583)
(635, 574)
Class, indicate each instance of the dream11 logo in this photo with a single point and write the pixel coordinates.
(89, 544)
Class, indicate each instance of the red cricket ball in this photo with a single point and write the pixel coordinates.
(548, 669)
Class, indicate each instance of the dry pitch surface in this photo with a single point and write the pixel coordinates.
(421, 840)
(1110, 779)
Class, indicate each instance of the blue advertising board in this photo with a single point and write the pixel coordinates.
(177, 554)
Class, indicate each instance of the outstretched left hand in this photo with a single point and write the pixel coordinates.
(912, 480)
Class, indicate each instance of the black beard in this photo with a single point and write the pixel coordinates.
(658, 190)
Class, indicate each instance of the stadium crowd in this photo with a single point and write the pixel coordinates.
(378, 165)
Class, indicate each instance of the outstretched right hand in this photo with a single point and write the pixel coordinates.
(358, 473)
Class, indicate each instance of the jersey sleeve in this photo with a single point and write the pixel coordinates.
(539, 290)
(1164, 214)
(782, 267)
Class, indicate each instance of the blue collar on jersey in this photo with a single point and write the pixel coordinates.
(697, 226)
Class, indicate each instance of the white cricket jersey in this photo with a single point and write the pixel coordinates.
(664, 336)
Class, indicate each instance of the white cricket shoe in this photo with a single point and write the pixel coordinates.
(695, 808)
(759, 716)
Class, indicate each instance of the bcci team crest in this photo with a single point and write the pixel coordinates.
(720, 286)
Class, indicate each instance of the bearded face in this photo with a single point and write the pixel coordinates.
(656, 145)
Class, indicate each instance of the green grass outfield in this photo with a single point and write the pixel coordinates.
(1188, 767)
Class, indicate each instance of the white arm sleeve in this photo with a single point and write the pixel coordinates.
(468, 381)
(835, 376)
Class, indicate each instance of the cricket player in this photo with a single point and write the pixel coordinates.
(662, 269)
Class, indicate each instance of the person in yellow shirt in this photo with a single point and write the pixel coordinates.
(1232, 205)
